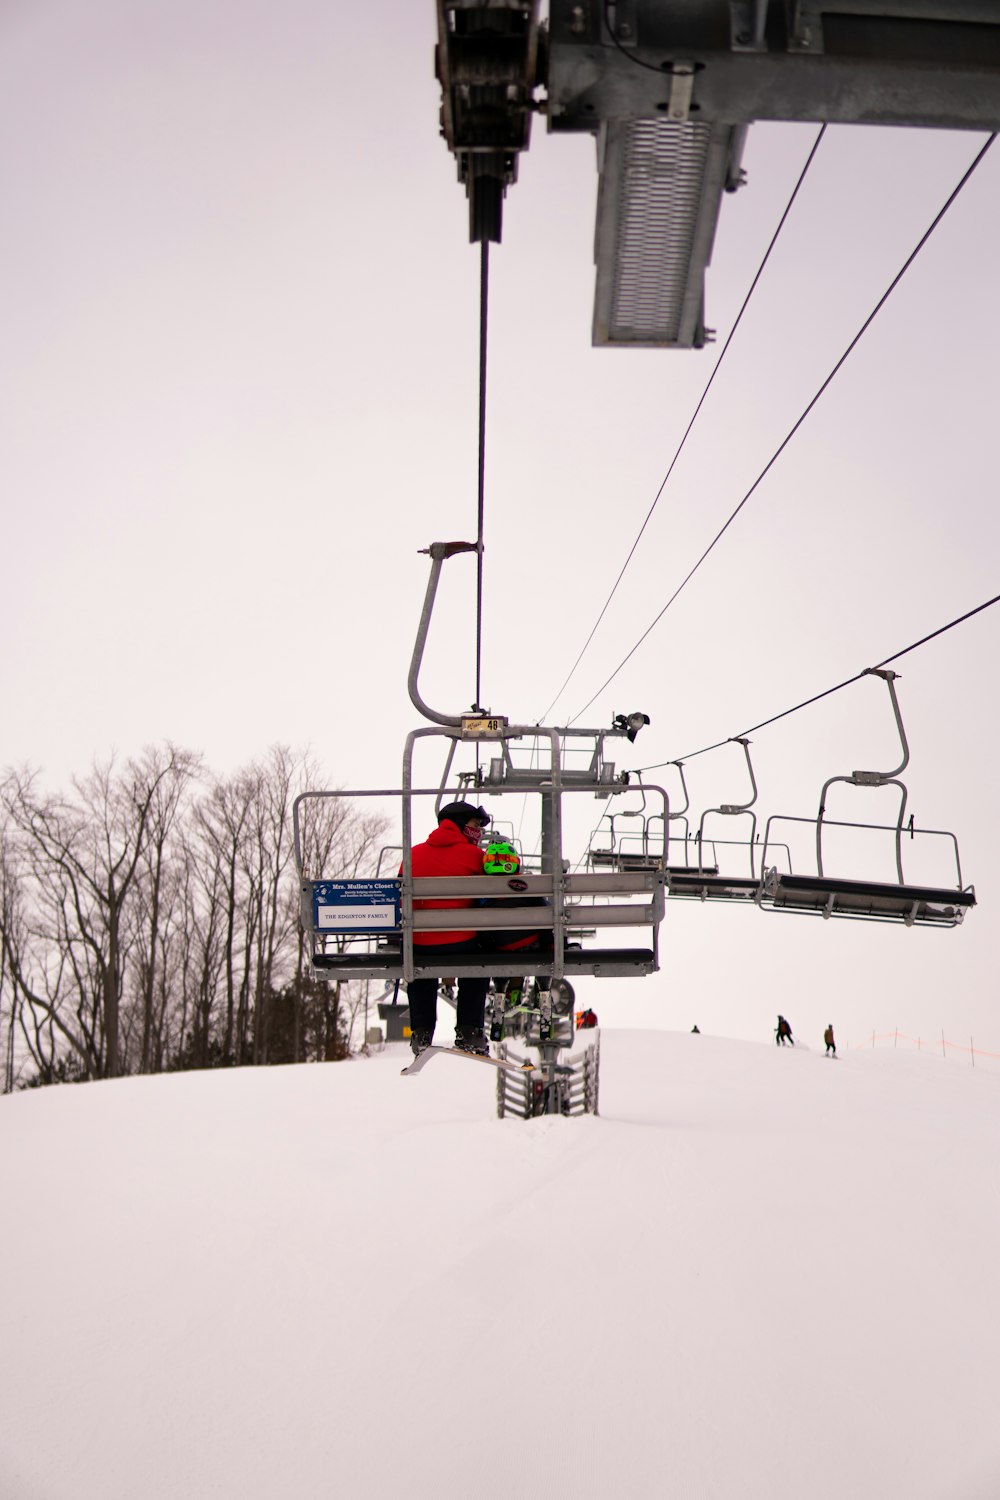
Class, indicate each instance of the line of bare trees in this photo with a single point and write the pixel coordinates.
(149, 920)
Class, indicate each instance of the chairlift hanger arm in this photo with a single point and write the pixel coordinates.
(889, 678)
(738, 807)
(438, 552)
(735, 809)
(687, 796)
(873, 778)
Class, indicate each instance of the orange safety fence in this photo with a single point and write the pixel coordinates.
(924, 1043)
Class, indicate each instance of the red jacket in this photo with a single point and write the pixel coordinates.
(446, 852)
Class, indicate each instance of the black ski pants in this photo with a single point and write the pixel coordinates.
(422, 993)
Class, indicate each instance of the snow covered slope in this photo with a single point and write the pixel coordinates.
(760, 1273)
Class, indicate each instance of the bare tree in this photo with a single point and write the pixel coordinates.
(155, 910)
(339, 842)
(150, 919)
(202, 919)
(55, 988)
(83, 858)
(11, 946)
(222, 820)
(268, 858)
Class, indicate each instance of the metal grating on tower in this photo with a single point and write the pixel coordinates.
(658, 202)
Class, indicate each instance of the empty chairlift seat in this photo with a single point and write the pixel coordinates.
(914, 905)
(709, 885)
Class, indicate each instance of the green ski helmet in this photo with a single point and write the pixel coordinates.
(501, 858)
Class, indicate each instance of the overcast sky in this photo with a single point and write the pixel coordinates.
(239, 392)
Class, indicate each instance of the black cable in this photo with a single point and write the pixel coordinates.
(484, 283)
(827, 691)
(924, 639)
(787, 439)
(661, 68)
(694, 416)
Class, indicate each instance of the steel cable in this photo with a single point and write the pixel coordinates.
(827, 691)
(694, 417)
(484, 286)
(801, 419)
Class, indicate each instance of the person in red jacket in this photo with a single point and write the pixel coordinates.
(452, 849)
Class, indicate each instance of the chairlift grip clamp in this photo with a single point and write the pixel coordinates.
(439, 551)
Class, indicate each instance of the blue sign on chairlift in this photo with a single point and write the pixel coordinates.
(356, 905)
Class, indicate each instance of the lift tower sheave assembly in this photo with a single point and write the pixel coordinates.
(669, 89)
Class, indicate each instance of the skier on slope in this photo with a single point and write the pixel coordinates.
(831, 1045)
(452, 849)
(783, 1033)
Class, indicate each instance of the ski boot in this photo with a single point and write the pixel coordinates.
(471, 1039)
(420, 1041)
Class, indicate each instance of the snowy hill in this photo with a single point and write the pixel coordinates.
(760, 1273)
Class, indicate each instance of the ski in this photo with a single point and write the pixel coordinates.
(481, 1057)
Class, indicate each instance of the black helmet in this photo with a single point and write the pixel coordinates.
(461, 813)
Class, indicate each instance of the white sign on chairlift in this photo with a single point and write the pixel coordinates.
(356, 905)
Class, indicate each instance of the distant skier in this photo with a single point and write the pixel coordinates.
(696, 1029)
(783, 1033)
(585, 1020)
(831, 1045)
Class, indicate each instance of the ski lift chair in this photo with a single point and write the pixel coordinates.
(638, 847)
(866, 900)
(705, 882)
(687, 841)
(364, 929)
